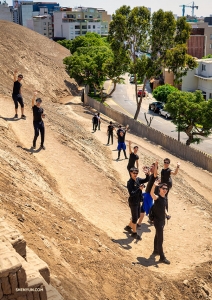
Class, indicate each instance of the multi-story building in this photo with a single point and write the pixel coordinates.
(200, 41)
(70, 23)
(43, 23)
(199, 78)
(5, 12)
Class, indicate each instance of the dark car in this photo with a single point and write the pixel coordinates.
(156, 106)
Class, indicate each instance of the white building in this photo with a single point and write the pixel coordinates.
(6, 12)
(199, 78)
(43, 25)
(70, 23)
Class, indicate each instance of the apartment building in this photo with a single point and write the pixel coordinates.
(70, 23)
(199, 78)
(43, 25)
(200, 41)
(5, 12)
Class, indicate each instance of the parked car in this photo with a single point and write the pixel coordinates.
(132, 79)
(156, 106)
(164, 113)
(140, 93)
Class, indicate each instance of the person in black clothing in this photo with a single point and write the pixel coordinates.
(99, 120)
(38, 115)
(17, 96)
(135, 186)
(133, 157)
(95, 122)
(110, 129)
(166, 173)
(121, 141)
(159, 218)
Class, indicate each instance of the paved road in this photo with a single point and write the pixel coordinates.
(123, 100)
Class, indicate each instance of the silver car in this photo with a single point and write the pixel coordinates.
(164, 113)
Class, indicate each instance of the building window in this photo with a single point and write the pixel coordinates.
(44, 28)
(90, 17)
(203, 67)
(86, 16)
(77, 26)
(93, 26)
(44, 23)
(210, 46)
(210, 36)
(89, 26)
(84, 31)
(77, 32)
(44, 33)
(84, 26)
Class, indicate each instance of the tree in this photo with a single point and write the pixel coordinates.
(191, 114)
(162, 92)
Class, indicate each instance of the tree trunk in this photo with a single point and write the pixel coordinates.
(140, 101)
(113, 90)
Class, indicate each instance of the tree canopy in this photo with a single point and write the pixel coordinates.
(191, 114)
(162, 92)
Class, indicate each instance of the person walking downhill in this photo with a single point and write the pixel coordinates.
(110, 130)
(17, 94)
(133, 157)
(135, 186)
(121, 141)
(159, 211)
(166, 173)
(38, 115)
(95, 122)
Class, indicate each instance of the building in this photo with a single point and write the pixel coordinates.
(199, 78)
(70, 23)
(43, 23)
(6, 12)
(200, 41)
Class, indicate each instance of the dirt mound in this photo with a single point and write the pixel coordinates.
(39, 59)
(73, 197)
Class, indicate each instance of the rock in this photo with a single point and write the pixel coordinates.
(20, 217)
(186, 283)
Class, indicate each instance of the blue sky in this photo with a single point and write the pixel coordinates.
(205, 6)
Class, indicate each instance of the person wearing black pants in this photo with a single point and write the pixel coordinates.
(110, 129)
(159, 212)
(133, 157)
(38, 115)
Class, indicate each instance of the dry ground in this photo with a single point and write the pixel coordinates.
(73, 195)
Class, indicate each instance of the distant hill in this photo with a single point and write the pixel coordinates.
(39, 59)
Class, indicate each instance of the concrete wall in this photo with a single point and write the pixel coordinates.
(179, 149)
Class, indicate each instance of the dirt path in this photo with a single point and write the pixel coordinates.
(188, 234)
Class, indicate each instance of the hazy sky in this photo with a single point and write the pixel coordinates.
(205, 6)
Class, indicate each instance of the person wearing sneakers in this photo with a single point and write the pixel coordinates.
(159, 211)
(135, 186)
(121, 141)
(110, 130)
(17, 96)
(133, 157)
(38, 123)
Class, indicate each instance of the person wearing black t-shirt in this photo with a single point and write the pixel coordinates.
(121, 141)
(166, 173)
(159, 211)
(17, 96)
(38, 115)
(133, 157)
(110, 130)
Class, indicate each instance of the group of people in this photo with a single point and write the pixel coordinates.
(38, 112)
(143, 199)
(96, 120)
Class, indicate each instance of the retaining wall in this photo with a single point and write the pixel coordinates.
(177, 148)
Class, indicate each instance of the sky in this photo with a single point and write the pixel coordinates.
(204, 6)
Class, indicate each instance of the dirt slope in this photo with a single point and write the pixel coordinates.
(73, 194)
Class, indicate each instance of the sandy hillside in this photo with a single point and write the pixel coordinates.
(73, 195)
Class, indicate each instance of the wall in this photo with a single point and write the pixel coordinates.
(179, 149)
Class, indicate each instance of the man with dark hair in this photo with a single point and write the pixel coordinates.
(17, 96)
(166, 173)
(95, 122)
(110, 129)
(133, 157)
(38, 115)
(121, 141)
(135, 186)
(159, 212)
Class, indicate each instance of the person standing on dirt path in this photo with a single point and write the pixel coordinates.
(17, 95)
(166, 173)
(133, 157)
(121, 140)
(159, 211)
(38, 115)
(147, 198)
(135, 186)
(110, 130)
(95, 122)
(99, 120)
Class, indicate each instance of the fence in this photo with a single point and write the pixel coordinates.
(177, 148)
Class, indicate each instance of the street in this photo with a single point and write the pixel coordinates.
(123, 100)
